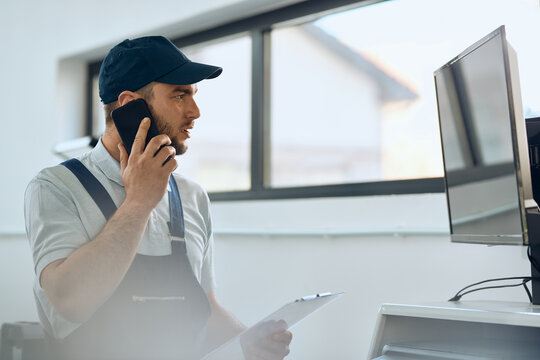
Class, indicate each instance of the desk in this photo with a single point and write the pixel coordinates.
(457, 330)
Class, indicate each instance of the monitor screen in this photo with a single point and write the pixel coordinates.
(484, 143)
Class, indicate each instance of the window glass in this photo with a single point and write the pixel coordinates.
(218, 153)
(353, 96)
(98, 115)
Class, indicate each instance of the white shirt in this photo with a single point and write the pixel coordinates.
(61, 216)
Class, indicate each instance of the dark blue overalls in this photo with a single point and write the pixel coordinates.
(159, 311)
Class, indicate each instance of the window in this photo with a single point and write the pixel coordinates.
(334, 98)
(343, 113)
(98, 115)
(218, 155)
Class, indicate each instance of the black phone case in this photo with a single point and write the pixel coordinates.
(127, 120)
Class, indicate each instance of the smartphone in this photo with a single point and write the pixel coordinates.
(127, 120)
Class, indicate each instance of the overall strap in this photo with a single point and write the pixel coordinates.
(93, 186)
(107, 206)
(176, 225)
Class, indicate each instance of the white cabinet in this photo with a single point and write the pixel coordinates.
(457, 330)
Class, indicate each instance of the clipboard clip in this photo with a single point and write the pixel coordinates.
(311, 297)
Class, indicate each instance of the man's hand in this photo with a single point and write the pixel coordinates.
(146, 171)
(267, 341)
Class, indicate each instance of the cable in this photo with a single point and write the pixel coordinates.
(525, 280)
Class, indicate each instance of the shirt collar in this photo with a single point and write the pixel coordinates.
(106, 163)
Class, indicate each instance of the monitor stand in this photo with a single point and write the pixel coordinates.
(533, 223)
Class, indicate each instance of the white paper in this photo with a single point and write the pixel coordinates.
(291, 313)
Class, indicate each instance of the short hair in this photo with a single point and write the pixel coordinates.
(147, 92)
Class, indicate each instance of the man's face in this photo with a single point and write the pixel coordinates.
(174, 110)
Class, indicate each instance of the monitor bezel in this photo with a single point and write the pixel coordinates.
(519, 144)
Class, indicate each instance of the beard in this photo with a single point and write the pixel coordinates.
(164, 128)
(167, 130)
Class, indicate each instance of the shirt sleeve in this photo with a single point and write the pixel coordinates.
(208, 281)
(53, 225)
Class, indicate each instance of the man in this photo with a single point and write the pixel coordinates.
(138, 283)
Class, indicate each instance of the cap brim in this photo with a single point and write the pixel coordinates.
(190, 73)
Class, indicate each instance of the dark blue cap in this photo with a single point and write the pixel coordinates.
(135, 63)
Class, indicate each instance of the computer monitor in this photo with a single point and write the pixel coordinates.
(484, 143)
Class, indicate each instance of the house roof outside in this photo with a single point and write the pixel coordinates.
(391, 88)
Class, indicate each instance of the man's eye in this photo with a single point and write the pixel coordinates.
(181, 97)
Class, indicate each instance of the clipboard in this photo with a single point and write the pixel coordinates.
(291, 313)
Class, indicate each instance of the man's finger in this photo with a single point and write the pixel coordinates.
(165, 154)
(123, 157)
(283, 337)
(140, 138)
(278, 348)
(271, 327)
(157, 143)
(281, 325)
(257, 353)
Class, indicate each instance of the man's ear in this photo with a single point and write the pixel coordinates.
(127, 96)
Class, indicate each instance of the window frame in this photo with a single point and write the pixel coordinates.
(259, 27)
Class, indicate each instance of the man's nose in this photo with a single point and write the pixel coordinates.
(193, 110)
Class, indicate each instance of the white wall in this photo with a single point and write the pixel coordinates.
(266, 252)
(280, 250)
(371, 270)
